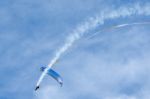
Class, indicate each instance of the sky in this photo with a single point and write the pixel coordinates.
(113, 64)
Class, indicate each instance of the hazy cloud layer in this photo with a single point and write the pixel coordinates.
(112, 65)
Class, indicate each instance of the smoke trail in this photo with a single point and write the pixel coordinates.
(118, 26)
(69, 41)
(92, 23)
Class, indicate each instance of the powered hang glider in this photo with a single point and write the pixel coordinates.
(53, 74)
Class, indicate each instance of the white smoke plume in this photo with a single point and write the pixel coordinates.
(135, 9)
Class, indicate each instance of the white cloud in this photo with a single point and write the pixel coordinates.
(121, 97)
(116, 73)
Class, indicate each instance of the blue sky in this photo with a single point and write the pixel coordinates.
(111, 65)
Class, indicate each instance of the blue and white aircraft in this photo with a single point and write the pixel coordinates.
(53, 74)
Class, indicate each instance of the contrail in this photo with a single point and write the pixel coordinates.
(69, 41)
(92, 23)
(130, 24)
(118, 26)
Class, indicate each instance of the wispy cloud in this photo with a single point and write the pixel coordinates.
(92, 23)
(114, 77)
(111, 65)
